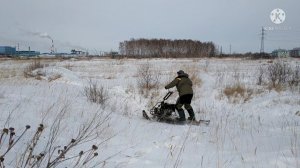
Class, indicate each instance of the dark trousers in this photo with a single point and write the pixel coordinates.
(184, 100)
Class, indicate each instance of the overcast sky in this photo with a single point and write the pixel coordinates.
(99, 25)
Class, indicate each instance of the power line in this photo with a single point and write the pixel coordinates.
(283, 40)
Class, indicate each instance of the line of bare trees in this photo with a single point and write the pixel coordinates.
(166, 48)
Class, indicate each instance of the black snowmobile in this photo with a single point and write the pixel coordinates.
(165, 112)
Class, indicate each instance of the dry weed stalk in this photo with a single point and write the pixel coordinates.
(220, 78)
(53, 155)
(12, 141)
(206, 65)
(260, 75)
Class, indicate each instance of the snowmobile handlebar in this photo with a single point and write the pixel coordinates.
(168, 95)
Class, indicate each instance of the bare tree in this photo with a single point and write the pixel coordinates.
(166, 48)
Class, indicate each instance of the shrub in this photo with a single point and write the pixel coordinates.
(279, 75)
(96, 93)
(31, 67)
(147, 78)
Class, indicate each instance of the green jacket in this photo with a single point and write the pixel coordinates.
(183, 85)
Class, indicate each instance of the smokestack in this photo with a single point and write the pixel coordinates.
(44, 35)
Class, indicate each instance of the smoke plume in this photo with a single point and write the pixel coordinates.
(42, 35)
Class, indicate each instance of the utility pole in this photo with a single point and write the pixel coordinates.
(262, 45)
(52, 51)
(18, 49)
(230, 49)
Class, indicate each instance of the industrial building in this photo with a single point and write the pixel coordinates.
(7, 51)
(280, 53)
(79, 53)
(28, 53)
(11, 51)
(295, 52)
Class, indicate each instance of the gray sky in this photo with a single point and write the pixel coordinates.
(100, 25)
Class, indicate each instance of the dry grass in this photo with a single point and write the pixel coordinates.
(8, 73)
(69, 66)
(54, 77)
(277, 87)
(237, 93)
(234, 90)
(22, 67)
(196, 79)
(193, 71)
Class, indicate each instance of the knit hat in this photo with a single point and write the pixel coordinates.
(180, 72)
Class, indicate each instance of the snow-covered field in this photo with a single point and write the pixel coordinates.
(261, 131)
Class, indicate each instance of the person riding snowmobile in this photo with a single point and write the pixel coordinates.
(185, 90)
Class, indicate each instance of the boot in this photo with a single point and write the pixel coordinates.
(181, 115)
(191, 115)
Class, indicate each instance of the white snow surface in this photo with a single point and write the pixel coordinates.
(261, 132)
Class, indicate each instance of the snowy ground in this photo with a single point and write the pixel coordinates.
(261, 132)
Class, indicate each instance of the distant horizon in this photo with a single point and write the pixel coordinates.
(97, 53)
